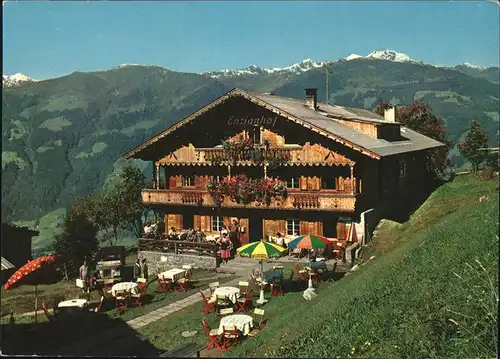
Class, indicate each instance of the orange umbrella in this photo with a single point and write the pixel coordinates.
(26, 270)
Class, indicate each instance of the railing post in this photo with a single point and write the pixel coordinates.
(352, 180)
(175, 247)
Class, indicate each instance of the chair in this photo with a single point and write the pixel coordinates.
(213, 286)
(121, 301)
(141, 292)
(226, 311)
(108, 284)
(49, 315)
(279, 268)
(141, 282)
(276, 288)
(182, 284)
(230, 336)
(164, 285)
(243, 287)
(222, 301)
(301, 273)
(209, 303)
(188, 268)
(262, 322)
(101, 303)
(241, 303)
(213, 336)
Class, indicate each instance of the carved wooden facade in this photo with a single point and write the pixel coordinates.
(331, 179)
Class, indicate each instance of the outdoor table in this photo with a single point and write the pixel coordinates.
(127, 287)
(243, 322)
(318, 265)
(174, 274)
(271, 275)
(72, 303)
(232, 293)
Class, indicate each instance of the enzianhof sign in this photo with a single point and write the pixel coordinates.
(256, 121)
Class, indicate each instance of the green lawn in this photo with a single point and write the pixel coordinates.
(432, 293)
(165, 333)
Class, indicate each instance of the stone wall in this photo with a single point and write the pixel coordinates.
(170, 260)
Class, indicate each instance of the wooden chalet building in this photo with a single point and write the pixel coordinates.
(337, 162)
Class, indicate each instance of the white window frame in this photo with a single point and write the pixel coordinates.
(293, 183)
(402, 168)
(187, 181)
(292, 227)
(217, 223)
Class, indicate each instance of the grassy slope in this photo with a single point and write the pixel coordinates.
(432, 293)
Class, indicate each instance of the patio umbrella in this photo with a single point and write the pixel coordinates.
(261, 250)
(352, 235)
(26, 270)
(309, 241)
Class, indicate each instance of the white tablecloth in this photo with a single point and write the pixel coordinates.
(212, 238)
(232, 293)
(174, 274)
(73, 303)
(129, 287)
(243, 322)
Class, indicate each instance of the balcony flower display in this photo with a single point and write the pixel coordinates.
(240, 148)
(241, 189)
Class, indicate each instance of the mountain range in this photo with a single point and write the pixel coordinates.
(64, 137)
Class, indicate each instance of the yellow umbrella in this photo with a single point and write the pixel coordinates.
(261, 250)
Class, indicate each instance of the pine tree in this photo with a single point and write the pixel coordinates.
(471, 145)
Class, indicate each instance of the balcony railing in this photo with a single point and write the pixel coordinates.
(255, 155)
(178, 247)
(323, 200)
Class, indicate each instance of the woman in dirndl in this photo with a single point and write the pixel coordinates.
(225, 252)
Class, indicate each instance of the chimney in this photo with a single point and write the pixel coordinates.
(312, 98)
(390, 114)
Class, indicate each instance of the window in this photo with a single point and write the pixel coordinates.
(292, 227)
(402, 168)
(293, 183)
(187, 181)
(217, 223)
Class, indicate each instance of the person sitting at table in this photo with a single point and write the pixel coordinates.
(183, 236)
(200, 236)
(148, 230)
(280, 240)
(191, 235)
(224, 251)
(172, 234)
(160, 228)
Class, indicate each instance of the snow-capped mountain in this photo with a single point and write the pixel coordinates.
(16, 80)
(297, 68)
(307, 65)
(472, 66)
(389, 55)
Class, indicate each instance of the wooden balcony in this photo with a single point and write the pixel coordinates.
(288, 155)
(323, 200)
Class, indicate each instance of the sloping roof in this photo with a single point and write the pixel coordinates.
(6, 264)
(322, 121)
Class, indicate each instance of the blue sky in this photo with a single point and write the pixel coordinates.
(49, 39)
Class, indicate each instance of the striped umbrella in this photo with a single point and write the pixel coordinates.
(261, 250)
(309, 241)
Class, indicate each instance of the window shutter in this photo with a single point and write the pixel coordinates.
(304, 228)
(319, 228)
(316, 183)
(282, 227)
(341, 231)
(197, 222)
(303, 183)
(172, 183)
(178, 219)
(197, 181)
